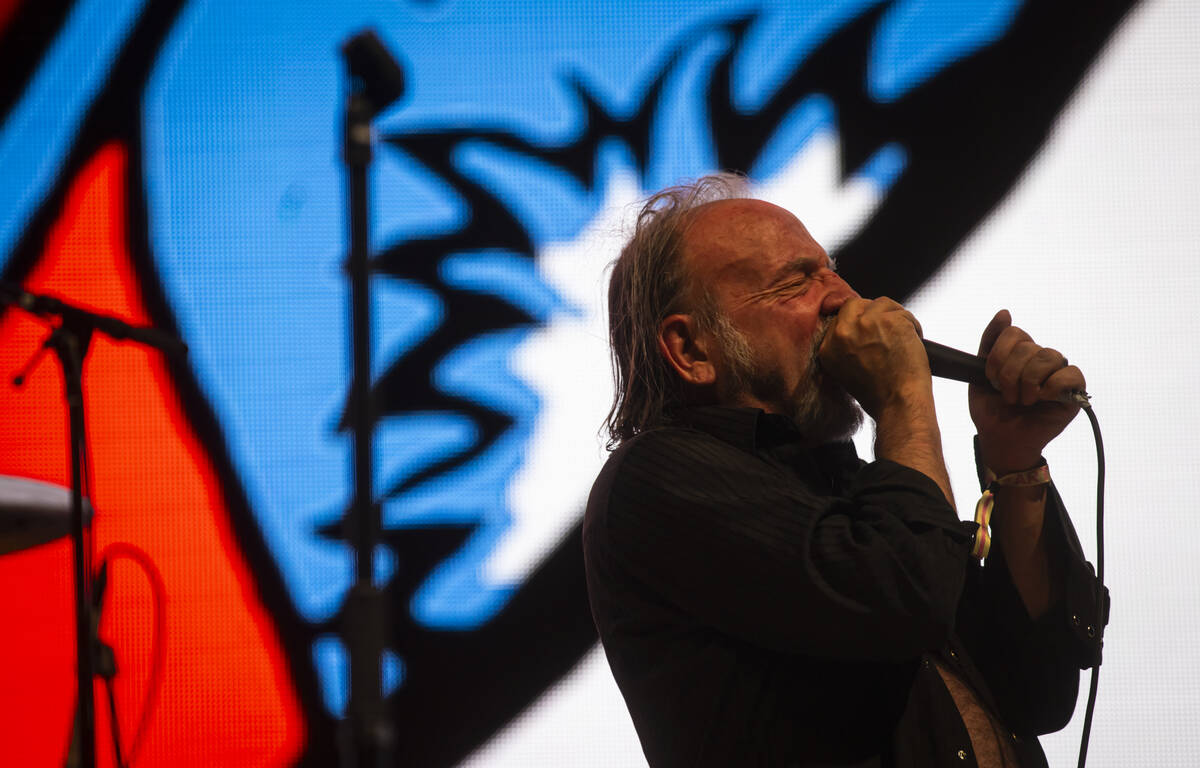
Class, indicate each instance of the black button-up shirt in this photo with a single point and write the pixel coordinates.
(765, 604)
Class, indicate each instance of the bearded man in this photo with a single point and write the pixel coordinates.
(764, 596)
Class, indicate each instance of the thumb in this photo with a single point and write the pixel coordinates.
(1001, 321)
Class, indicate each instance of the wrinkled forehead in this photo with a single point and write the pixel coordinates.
(736, 245)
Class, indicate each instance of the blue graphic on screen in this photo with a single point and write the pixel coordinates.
(39, 131)
(246, 217)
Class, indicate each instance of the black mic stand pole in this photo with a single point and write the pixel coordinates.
(70, 343)
(364, 623)
(367, 738)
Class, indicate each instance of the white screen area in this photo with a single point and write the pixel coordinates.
(1095, 253)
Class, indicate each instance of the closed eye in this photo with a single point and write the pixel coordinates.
(795, 286)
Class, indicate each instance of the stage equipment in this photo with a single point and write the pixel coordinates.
(367, 737)
(33, 513)
(69, 340)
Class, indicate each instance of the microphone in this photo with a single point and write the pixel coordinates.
(949, 363)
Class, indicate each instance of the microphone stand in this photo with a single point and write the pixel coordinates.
(70, 341)
(364, 622)
(367, 737)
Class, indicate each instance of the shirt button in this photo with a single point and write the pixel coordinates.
(962, 754)
(953, 655)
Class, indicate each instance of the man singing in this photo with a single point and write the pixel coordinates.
(765, 597)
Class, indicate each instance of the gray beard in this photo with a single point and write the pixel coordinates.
(821, 409)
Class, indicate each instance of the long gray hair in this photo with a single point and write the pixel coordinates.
(648, 283)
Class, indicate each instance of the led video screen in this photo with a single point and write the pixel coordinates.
(180, 164)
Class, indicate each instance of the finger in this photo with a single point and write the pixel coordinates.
(916, 323)
(883, 304)
(1001, 321)
(1063, 381)
(1008, 378)
(849, 312)
(853, 308)
(903, 315)
(848, 316)
(1008, 339)
(1037, 371)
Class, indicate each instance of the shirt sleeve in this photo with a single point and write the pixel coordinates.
(1032, 666)
(743, 546)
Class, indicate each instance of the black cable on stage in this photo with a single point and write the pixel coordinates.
(158, 651)
(114, 726)
(1102, 619)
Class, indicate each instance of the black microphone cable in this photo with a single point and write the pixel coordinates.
(1102, 593)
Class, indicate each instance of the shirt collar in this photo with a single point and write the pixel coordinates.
(736, 426)
(755, 431)
(751, 429)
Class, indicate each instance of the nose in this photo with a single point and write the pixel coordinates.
(838, 294)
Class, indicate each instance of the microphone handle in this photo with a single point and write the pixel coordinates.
(948, 363)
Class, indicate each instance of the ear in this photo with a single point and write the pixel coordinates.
(686, 350)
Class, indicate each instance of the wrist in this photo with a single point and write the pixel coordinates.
(1032, 477)
(907, 403)
(913, 426)
(1022, 498)
(1004, 460)
(1021, 511)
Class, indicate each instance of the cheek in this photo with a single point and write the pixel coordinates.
(804, 325)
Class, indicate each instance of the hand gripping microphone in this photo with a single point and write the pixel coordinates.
(949, 363)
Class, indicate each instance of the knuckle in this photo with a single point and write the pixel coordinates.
(1046, 354)
(1006, 375)
(853, 307)
(1013, 336)
(1019, 333)
(1026, 348)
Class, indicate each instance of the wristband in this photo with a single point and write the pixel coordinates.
(1030, 478)
(1027, 479)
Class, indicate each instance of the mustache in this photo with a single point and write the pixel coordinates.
(818, 339)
